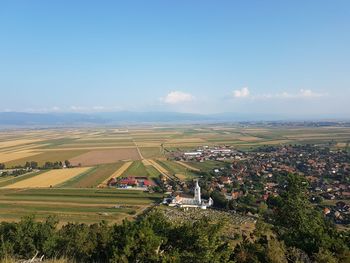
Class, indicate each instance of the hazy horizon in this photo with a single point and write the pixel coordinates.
(289, 59)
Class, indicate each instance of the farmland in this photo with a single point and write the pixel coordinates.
(49, 179)
(106, 145)
(93, 177)
(74, 205)
(98, 154)
(105, 156)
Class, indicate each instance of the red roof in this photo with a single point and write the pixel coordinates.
(128, 181)
(148, 183)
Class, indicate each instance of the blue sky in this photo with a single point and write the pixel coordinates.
(289, 57)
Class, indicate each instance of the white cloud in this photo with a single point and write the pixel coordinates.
(55, 108)
(77, 108)
(310, 94)
(98, 108)
(241, 93)
(303, 93)
(175, 97)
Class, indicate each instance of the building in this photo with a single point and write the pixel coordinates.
(195, 202)
(131, 181)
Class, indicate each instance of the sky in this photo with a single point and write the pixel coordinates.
(198, 56)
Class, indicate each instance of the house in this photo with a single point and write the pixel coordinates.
(134, 181)
(225, 180)
(326, 211)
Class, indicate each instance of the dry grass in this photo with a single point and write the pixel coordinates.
(51, 156)
(48, 179)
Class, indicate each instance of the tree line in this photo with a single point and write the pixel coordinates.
(34, 165)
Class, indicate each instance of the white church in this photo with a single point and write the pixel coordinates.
(196, 202)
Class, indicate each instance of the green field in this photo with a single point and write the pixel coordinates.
(136, 169)
(93, 177)
(74, 205)
(152, 172)
(207, 165)
(175, 168)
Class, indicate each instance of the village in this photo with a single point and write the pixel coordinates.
(246, 181)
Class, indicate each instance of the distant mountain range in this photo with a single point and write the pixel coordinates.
(9, 119)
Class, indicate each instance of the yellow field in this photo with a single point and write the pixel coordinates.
(117, 173)
(16, 142)
(10, 156)
(48, 179)
(85, 148)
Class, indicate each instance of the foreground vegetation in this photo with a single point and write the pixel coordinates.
(298, 233)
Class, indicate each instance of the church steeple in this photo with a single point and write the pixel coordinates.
(197, 193)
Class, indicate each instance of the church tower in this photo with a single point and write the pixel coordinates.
(197, 193)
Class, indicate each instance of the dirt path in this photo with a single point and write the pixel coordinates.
(117, 173)
(146, 162)
(159, 167)
(188, 166)
(138, 149)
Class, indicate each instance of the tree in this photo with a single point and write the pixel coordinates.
(135, 243)
(298, 223)
(276, 251)
(199, 241)
(34, 165)
(219, 199)
(67, 163)
(76, 241)
(325, 256)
